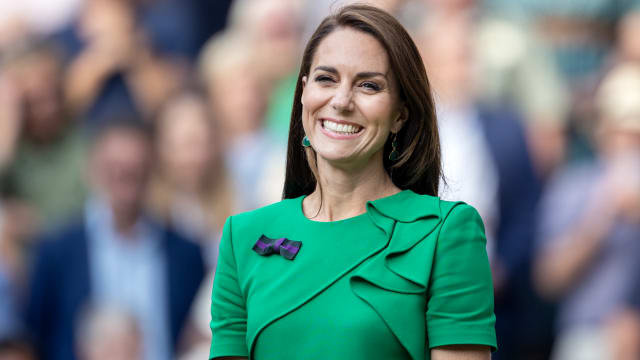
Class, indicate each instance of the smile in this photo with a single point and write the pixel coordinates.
(340, 128)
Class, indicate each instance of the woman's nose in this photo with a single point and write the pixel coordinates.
(342, 99)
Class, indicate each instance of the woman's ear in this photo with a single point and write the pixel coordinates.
(400, 120)
(304, 83)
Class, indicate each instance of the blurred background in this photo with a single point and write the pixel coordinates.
(131, 129)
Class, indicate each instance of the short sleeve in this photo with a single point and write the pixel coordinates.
(460, 294)
(228, 310)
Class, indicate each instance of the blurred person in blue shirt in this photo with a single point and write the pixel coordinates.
(114, 255)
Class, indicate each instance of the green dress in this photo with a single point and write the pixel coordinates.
(408, 275)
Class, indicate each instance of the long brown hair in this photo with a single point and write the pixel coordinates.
(418, 168)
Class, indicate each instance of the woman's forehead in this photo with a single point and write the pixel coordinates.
(347, 49)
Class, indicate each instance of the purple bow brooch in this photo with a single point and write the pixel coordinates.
(288, 249)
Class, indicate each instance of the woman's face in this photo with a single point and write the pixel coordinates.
(350, 99)
(186, 145)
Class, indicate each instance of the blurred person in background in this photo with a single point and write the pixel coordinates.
(273, 29)
(450, 58)
(487, 163)
(42, 148)
(108, 333)
(191, 190)
(515, 68)
(590, 225)
(41, 164)
(114, 254)
(580, 36)
(254, 158)
(114, 69)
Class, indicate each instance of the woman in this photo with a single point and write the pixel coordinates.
(190, 189)
(360, 260)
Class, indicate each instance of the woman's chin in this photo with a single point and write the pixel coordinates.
(341, 159)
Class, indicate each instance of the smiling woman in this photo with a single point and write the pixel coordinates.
(351, 103)
(369, 263)
(360, 66)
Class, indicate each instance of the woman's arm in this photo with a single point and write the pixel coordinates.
(461, 352)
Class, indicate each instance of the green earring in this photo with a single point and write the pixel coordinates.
(305, 141)
(394, 155)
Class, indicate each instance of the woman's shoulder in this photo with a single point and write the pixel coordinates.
(266, 215)
(408, 206)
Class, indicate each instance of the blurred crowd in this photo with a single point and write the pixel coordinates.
(131, 129)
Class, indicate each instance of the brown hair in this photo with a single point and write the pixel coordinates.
(418, 168)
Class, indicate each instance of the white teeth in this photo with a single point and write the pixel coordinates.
(340, 128)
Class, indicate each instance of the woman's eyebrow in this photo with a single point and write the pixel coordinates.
(360, 75)
(329, 69)
(370, 74)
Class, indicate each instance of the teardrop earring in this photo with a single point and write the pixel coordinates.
(305, 141)
(394, 155)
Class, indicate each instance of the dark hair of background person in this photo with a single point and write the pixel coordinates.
(418, 168)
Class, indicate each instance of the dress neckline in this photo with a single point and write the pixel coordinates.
(356, 218)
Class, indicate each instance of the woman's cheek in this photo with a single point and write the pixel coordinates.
(377, 109)
(312, 97)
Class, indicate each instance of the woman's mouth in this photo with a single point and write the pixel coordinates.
(337, 128)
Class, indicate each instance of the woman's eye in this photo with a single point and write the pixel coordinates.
(323, 78)
(370, 85)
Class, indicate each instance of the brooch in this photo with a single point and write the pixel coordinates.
(286, 248)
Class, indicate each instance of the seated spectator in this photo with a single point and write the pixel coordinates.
(589, 249)
(114, 254)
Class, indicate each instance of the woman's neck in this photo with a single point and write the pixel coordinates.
(345, 192)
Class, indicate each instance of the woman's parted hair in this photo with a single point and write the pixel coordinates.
(418, 168)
